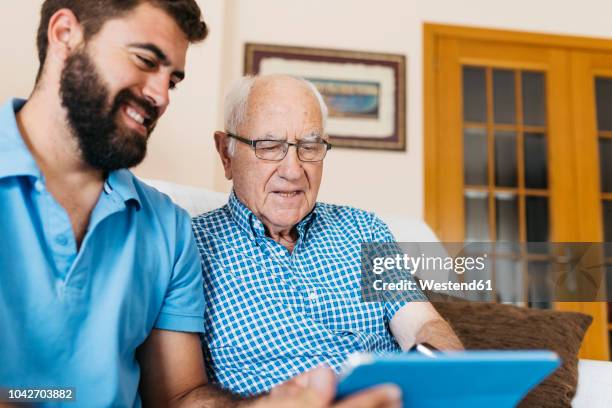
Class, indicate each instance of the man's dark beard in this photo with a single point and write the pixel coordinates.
(104, 143)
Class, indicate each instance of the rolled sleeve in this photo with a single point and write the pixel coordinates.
(183, 306)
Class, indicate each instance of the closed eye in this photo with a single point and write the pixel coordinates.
(146, 61)
(308, 146)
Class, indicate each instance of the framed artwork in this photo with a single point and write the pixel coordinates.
(364, 91)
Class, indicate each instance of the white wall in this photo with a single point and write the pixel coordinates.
(18, 67)
(388, 182)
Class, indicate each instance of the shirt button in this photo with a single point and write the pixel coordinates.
(39, 186)
(62, 240)
(313, 297)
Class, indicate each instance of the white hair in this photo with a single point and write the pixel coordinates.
(237, 99)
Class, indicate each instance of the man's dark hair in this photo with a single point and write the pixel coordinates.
(92, 14)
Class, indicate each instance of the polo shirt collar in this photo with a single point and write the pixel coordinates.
(15, 157)
(122, 182)
(253, 227)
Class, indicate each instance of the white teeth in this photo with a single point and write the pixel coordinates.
(291, 194)
(135, 115)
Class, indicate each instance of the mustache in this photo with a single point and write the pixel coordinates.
(125, 96)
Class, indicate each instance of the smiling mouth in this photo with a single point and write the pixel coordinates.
(138, 117)
(288, 194)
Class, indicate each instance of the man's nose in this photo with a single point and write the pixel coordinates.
(290, 167)
(156, 91)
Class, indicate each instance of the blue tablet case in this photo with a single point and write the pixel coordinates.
(455, 379)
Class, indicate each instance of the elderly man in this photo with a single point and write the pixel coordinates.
(281, 271)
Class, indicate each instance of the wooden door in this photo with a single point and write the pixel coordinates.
(502, 155)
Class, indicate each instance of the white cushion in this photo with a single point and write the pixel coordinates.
(406, 229)
(193, 199)
(594, 384)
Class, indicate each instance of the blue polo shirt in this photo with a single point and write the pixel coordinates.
(74, 318)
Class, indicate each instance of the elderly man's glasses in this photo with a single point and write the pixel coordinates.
(276, 150)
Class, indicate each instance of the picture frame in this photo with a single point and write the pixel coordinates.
(364, 91)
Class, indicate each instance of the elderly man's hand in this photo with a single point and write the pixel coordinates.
(317, 388)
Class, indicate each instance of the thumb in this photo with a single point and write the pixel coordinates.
(322, 382)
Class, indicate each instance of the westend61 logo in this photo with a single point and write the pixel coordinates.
(540, 272)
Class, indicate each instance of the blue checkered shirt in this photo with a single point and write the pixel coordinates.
(272, 314)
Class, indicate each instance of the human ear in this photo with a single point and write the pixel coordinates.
(222, 145)
(64, 33)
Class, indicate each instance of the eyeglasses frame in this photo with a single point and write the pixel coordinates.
(253, 144)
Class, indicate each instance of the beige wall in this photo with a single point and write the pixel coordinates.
(388, 182)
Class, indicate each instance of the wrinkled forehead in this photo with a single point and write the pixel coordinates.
(286, 100)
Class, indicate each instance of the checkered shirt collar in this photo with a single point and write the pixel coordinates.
(254, 228)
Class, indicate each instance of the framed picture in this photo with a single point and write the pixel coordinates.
(364, 92)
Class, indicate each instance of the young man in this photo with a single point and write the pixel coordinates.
(100, 281)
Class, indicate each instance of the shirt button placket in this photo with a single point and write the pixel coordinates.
(62, 240)
(39, 186)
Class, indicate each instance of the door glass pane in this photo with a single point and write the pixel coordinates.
(534, 98)
(505, 159)
(474, 95)
(607, 231)
(537, 218)
(605, 164)
(540, 284)
(475, 156)
(504, 96)
(603, 95)
(507, 218)
(508, 281)
(607, 220)
(535, 161)
(476, 216)
(609, 290)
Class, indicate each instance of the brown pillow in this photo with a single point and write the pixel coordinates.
(502, 327)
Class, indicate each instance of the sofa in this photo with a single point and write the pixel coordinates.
(594, 384)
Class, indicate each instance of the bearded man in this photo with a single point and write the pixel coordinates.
(100, 280)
